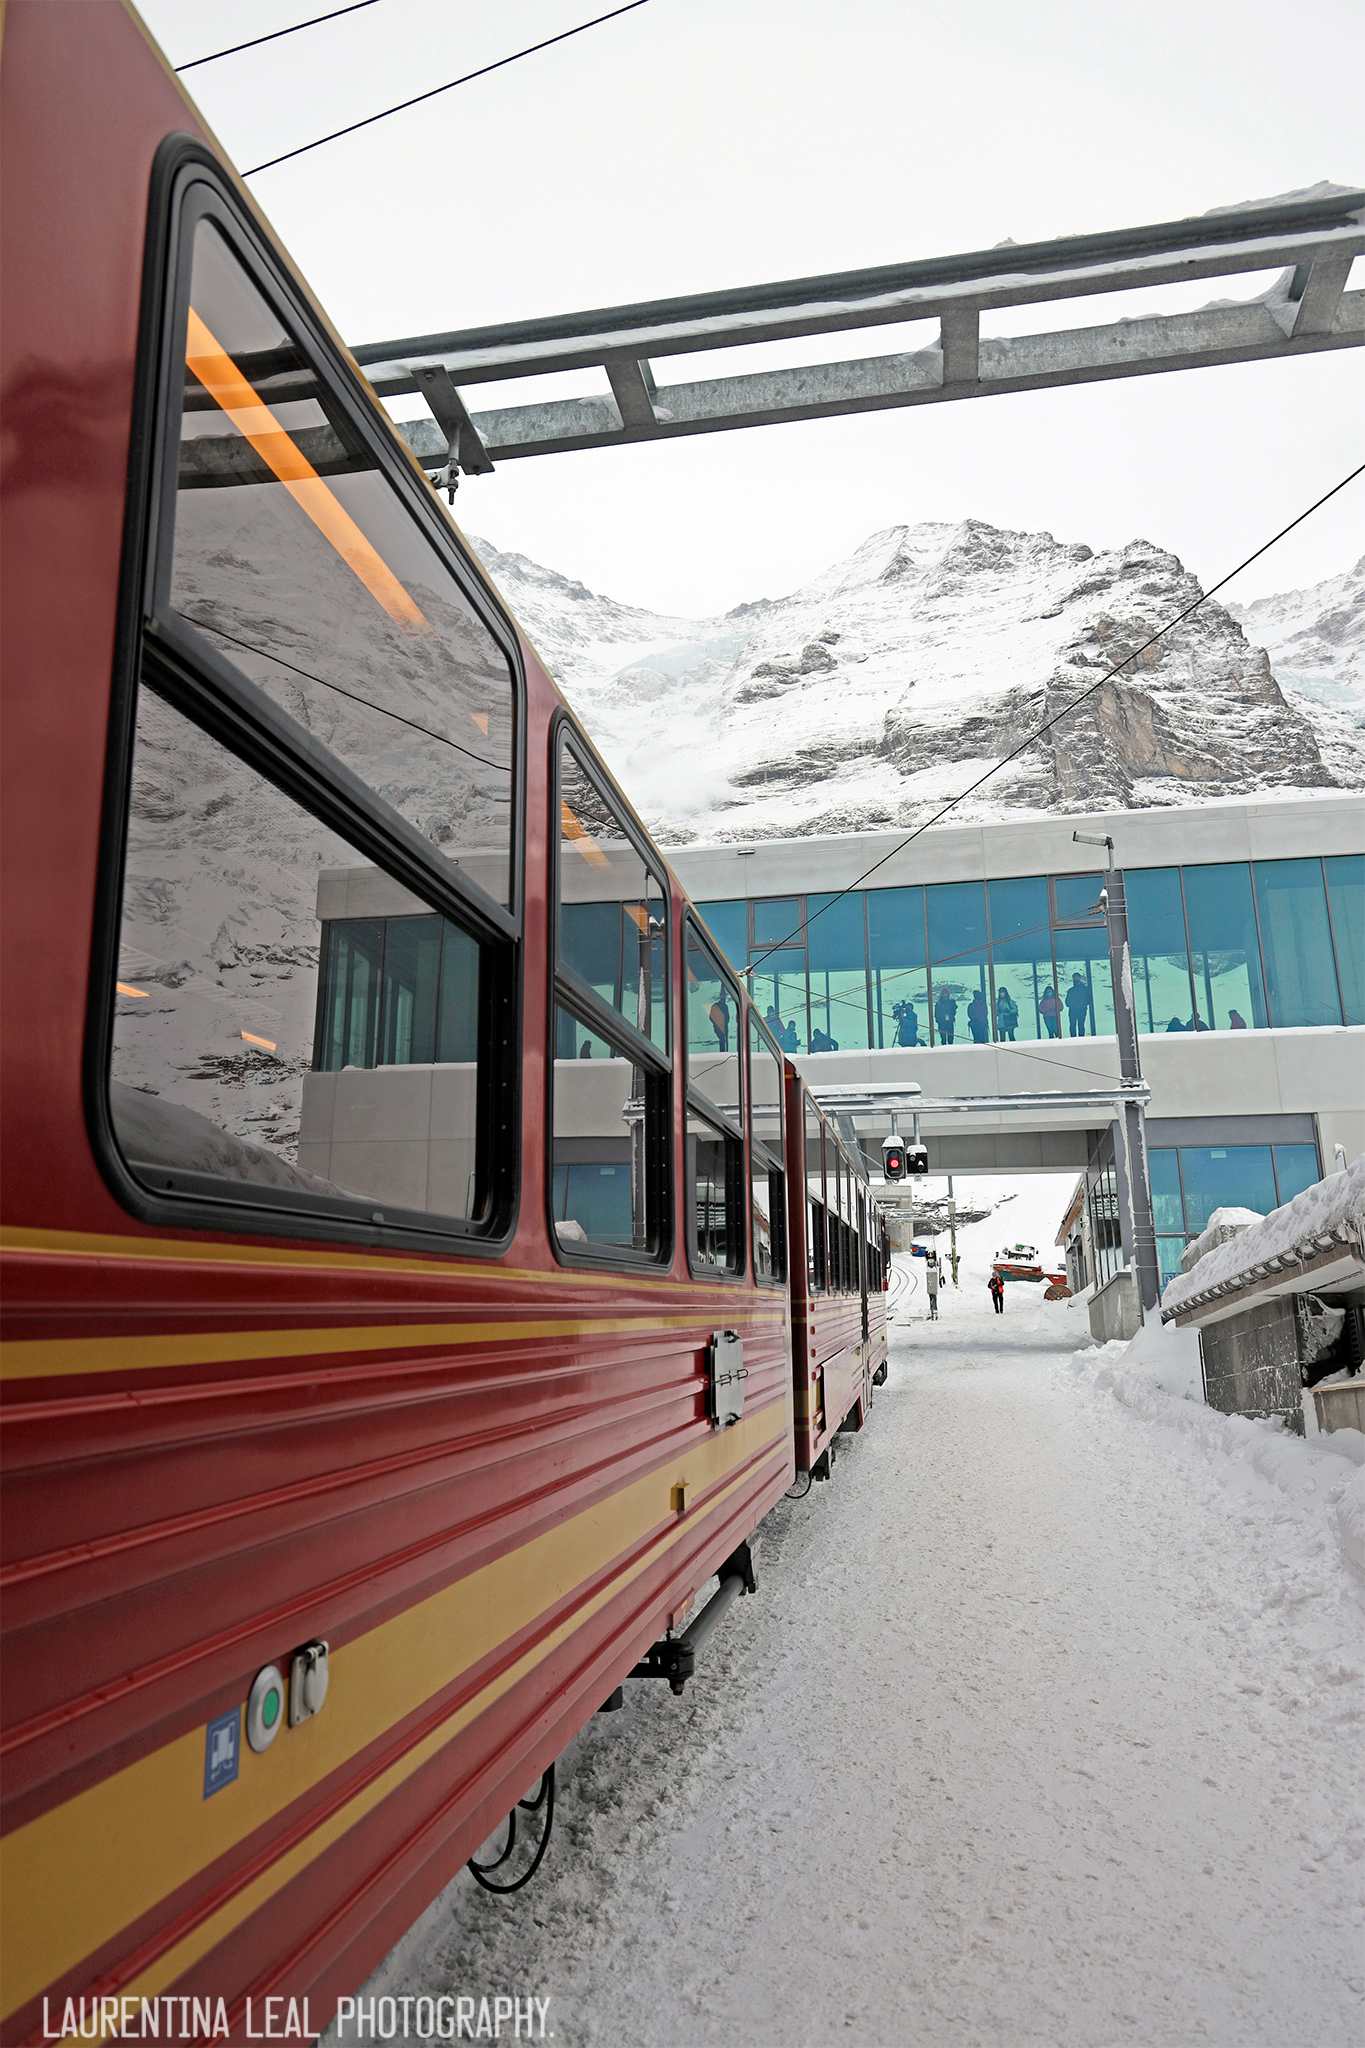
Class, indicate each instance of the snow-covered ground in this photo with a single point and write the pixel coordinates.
(1043, 1728)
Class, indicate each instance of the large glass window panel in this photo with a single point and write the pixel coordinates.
(1296, 942)
(412, 963)
(1168, 1254)
(713, 1047)
(777, 989)
(776, 920)
(899, 973)
(728, 924)
(602, 1168)
(230, 1076)
(1163, 1166)
(716, 1229)
(352, 963)
(1296, 1168)
(959, 986)
(1160, 955)
(611, 908)
(1228, 992)
(1081, 1004)
(1084, 986)
(1021, 955)
(1225, 1177)
(837, 953)
(327, 593)
(457, 1016)
(1345, 874)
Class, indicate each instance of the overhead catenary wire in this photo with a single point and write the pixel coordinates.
(435, 91)
(413, 725)
(1058, 716)
(254, 42)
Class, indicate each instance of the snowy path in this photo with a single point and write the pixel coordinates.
(1012, 1747)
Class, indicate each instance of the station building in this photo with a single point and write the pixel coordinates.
(973, 963)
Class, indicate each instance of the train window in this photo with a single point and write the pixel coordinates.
(816, 1259)
(302, 567)
(715, 1144)
(608, 1108)
(612, 924)
(768, 1197)
(315, 978)
(610, 1113)
(717, 1228)
(262, 1051)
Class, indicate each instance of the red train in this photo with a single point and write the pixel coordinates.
(397, 1186)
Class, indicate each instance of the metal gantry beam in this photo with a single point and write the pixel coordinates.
(1312, 241)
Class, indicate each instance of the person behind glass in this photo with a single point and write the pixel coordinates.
(932, 1282)
(996, 1287)
(1078, 1005)
(719, 1013)
(907, 1023)
(790, 1041)
(945, 1016)
(820, 1041)
(978, 1022)
(1175, 1025)
(1006, 1015)
(1050, 1010)
(1236, 1021)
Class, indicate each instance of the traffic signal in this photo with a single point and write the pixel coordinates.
(893, 1159)
(917, 1158)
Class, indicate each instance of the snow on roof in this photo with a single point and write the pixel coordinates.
(1331, 1212)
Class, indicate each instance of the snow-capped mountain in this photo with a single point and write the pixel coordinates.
(1316, 642)
(887, 683)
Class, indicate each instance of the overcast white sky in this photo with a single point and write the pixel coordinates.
(701, 143)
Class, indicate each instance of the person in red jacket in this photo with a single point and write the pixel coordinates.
(997, 1292)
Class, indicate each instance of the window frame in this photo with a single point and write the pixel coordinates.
(817, 1268)
(771, 1156)
(157, 653)
(566, 990)
(695, 1103)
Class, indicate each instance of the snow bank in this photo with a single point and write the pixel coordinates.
(1220, 1226)
(1331, 1209)
(1322, 1479)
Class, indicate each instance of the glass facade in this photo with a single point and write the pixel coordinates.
(1190, 1181)
(1230, 946)
(396, 992)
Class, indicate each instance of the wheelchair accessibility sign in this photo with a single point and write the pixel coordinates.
(222, 1751)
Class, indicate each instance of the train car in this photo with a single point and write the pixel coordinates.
(832, 1352)
(397, 1335)
(877, 1270)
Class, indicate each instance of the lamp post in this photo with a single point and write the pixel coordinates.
(1135, 1179)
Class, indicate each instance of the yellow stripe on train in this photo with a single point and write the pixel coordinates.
(72, 1878)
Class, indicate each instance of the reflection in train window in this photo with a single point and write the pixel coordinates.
(608, 1149)
(265, 1050)
(302, 567)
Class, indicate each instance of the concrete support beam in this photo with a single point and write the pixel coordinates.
(632, 386)
(1319, 295)
(960, 340)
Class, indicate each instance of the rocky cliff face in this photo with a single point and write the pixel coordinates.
(1316, 642)
(892, 680)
